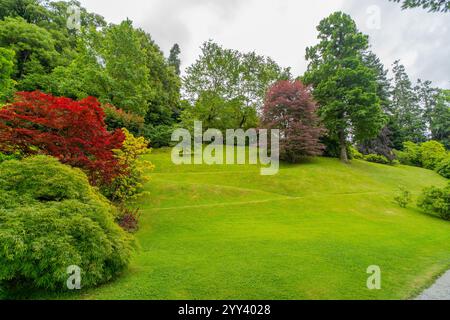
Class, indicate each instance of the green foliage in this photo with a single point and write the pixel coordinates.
(219, 113)
(227, 87)
(431, 5)
(428, 155)
(159, 136)
(34, 47)
(344, 86)
(50, 219)
(355, 154)
(376, 158)
(410, 155)
(436, 201)
(407, 115)
(6, 71)
(440, 118)
(118, 119)
(6, 157)
(431, 154)
(403, 197)
(174, 58)
(444, 167)
(130, 182)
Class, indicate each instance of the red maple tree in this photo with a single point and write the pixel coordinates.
(72, 131)
(289, 107)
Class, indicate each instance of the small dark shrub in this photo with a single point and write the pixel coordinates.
(128, 219)
(436, 201)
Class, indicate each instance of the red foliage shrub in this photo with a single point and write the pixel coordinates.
(289, 106)
(72, 131)
(129, 219)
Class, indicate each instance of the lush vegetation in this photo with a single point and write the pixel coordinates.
(309, 232)
(51, 218)
(81, 106)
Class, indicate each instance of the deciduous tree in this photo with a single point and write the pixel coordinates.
(289, 107)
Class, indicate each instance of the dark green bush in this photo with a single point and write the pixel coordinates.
(159, 136)
(444, 168)
(436, 201)
(50, 219)
(376, 159)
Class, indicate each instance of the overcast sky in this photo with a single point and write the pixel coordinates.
(282, 29)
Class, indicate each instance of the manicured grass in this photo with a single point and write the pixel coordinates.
(310, 232)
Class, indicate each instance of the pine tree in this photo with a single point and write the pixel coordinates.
(407, 113)
(174, 58)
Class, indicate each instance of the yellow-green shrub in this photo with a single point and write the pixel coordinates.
(130, 182)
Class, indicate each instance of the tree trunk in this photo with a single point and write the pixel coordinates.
(343, 146)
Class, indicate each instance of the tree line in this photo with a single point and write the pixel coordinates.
(357, 101)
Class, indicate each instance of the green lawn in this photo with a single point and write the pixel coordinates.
(310, 232)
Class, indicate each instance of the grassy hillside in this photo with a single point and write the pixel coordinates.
(226, 232)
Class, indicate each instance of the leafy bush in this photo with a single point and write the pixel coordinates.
(431, 154)
(355, 154)
(118, 119)
(159, 136)
(50, 219)
(410, 155)
(376, 159)
(6, 157)
(72, 131)
(444, 168)
(130, 181)
(403, 198)
(436, 201)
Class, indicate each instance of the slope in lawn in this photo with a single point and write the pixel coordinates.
(310, 232)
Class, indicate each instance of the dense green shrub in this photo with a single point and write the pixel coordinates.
(431, 154)
(376, 158)
(50, 219)
(159, 136)
(410, 155)
(436, 201)
(6, 157)
(118, 119)
(355, 154)
(444, 168)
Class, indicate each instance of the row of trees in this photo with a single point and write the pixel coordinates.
(356, 101)
(118, 64)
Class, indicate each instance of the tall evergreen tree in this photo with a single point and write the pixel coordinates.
(440, 118)
(407, 113)
(174, 58)
(345, 88)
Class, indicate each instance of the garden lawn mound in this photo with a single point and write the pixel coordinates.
(310, 232)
